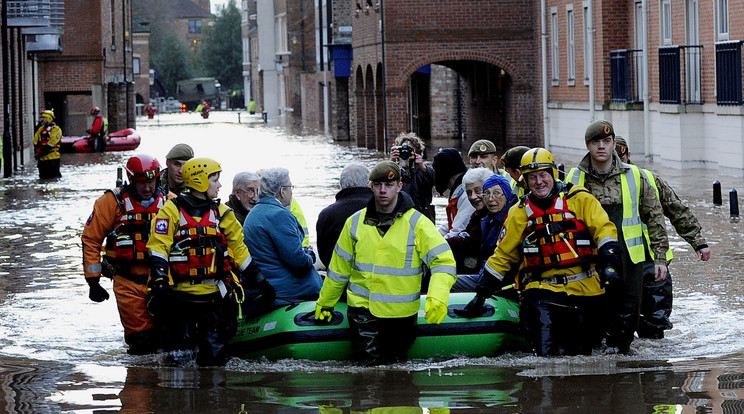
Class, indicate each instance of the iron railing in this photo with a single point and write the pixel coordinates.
(680, 74)
(728, 73)
(625, 67)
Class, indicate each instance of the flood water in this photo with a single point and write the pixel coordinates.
(60, 352)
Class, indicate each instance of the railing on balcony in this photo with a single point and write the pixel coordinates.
(680, 74)
(35, 13)
(625, 65)
(728, 73)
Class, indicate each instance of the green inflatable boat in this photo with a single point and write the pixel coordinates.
(291, 332)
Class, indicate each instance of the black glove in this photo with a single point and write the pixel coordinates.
(161, 294)
(310, 252)
(97, 292)
(268, 293)
(608, 265)
(252, 278)
(473, 309)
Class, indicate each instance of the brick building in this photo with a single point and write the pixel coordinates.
(693, 104)
(141, 62)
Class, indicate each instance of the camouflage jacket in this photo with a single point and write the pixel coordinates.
(681, 217)
(608, 191)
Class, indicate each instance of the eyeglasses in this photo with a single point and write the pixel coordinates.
(494, 194)
(250, 192)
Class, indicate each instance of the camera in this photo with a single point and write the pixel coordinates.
(405, 151)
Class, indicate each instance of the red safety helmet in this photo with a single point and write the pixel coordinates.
(142, 167)
(95, 110)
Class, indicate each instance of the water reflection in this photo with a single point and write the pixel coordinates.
(61, 352)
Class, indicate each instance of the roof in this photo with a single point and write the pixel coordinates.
(181, 9)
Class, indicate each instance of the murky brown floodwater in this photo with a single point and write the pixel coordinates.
(60, 352)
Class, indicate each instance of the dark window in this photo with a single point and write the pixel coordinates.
(195, 26)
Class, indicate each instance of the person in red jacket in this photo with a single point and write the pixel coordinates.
(150, 111)
(98, 130)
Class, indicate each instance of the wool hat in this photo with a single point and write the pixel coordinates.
(512, 158)
(501, 181)
(447, 163)
(385, 171)
(180, 152)
(482, 147)
(599, 130)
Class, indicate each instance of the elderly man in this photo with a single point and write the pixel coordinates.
(244, 194)
(656, 301)
(274, 238)
(555, 236)
(174, 161)
(379, 260)
(354, 195)
(631, 202)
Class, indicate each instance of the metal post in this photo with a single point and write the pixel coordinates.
(7, 142)
(734, 203)
(717, 199)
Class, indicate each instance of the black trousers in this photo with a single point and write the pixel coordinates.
(49, 169)
(378, 341)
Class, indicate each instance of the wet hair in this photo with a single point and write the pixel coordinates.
(354, 175)
(272, 181)
(474, 175)
(242, 178)
(416, 142)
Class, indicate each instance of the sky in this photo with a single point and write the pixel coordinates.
(216, 3)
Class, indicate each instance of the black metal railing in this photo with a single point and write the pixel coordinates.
(680, 74)
(728, 73)
(625, 66)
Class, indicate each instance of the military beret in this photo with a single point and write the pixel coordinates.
(385, 171)
(482, 147)
(599, 130)
(513, 156)
(621, 145)
(180, 152)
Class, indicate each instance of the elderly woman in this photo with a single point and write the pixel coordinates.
(498, 197)
(466, 244)
(244, 194)
(274, 238)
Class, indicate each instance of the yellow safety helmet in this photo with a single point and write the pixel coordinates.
(196, 173)
(48, 114)
(538, 159)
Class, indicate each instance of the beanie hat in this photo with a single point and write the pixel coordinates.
(501, 181)
(447, 163)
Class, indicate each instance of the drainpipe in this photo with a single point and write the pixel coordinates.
(384, 80)
(7, 142)
(590, 40)
(544, 47)
(646, 95)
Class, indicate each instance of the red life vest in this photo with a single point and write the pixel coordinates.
(199, 249)
(555, 238)
(127, 242)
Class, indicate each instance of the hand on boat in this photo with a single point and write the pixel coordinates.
(473, 309)
(323, 313)
(435, 310)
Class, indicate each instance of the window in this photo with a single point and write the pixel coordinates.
(722, 21)
(554, 45)
(587, 46)
(666, 22)
(136, 66)
(280, 27)
(195, 26)
(570, 51)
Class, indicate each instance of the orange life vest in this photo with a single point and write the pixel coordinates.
(199, 249)
(555, 238)
(127, 242)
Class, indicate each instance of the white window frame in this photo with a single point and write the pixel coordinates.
(280, 27)
(555, 51)
(136, 67)
(570, 46)
(722, 20)
(665, 22)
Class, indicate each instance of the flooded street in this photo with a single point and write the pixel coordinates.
(60, 352)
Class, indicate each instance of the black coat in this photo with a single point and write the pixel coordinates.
(331, 220)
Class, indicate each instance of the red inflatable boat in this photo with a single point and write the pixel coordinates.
(124, 140)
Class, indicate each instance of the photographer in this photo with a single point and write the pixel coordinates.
(417, 177)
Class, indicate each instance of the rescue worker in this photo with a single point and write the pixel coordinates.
(122, 217)
(98, 130)
(512, 160)
(656, 301)
(150, 110)
(205, 110)
(449, 169)
(174, 161)
(555, 235)
(482, 154)
(47, 140)
(408, 151)
(198, 304)
(379, 244)
(630, 202)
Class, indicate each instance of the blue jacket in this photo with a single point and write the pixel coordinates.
(274, 238)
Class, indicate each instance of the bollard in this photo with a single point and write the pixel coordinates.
(734, 203)
(717, 199)
(561, 172)
(238, 117)
(265, 117)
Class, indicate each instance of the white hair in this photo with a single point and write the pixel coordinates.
(272, 181)
(474, 175)
(243, 178)
(354, 175)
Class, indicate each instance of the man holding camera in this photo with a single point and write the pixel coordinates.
(417, 177)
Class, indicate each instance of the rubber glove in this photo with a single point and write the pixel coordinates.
(97, 293)
(323, 313)
(435, 310)
(473, 309)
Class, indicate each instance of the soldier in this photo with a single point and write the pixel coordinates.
(656, 302)
(630, 202)
(483, 154)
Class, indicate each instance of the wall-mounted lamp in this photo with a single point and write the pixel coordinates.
(358, 10)
(366, 8)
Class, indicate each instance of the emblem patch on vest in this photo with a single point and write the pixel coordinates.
(90, 218)
(161, 226)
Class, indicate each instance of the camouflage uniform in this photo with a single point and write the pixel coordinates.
(625, 305)
(656, 302)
